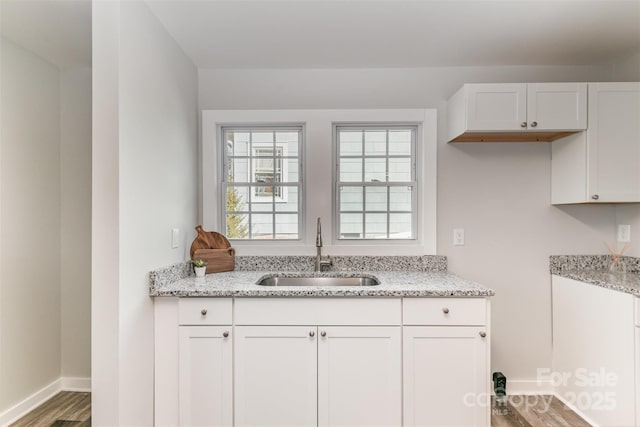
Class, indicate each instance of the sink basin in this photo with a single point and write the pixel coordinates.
(319, 281)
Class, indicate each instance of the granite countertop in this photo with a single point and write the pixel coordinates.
(593, 269)
(419, 277)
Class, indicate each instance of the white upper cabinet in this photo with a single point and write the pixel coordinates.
(601, 165)
(516, 112)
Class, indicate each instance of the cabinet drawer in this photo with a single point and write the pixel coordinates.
(205, 311)
(318, 311)
(444, 311)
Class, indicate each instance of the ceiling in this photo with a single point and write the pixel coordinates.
(57, 30)
(351, 33)
(379, 33)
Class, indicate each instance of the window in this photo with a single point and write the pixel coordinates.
(376, 182)
(262, 182)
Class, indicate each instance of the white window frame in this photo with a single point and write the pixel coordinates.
(318, 168)
(415, 183)
(222, 129)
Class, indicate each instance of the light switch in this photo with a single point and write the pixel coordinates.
(175, 236)
(458, 237)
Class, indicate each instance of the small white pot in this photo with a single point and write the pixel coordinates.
(200, 271)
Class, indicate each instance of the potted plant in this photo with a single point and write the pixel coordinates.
(199, 266)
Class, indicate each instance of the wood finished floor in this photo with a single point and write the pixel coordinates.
(70, 409)
(534, 411)
(65, 409)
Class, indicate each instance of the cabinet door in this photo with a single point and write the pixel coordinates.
(206, 367)
(275, 376)
(359, 376)
(445, 376)
(557, 106)
(613, 142)
(496, 107)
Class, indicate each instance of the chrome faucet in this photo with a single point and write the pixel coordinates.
(319, 262)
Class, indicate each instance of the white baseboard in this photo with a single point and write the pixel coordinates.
(76, 384)
(30, 403)
(529, 387)
(39, 397)
(576, 410)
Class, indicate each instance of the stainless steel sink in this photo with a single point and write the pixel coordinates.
(318, 281)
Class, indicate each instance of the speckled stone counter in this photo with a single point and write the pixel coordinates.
(594, 270)
(424, 276)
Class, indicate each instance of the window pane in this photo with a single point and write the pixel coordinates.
(400, 142)
(261, 226)
(400, 199)
(351, 170)
(290, 172)
(350, 143)
(375, 143)
(287, 226)
(237, 143)
(376, 226)
(351, 198)
(238, 170)
(286, 199)
(237, 226)
(376, 199)
(375, 170)
(400, 226)
(262, 137)
(237, 199)
(351, 226)
(288, 140)
(400, 169)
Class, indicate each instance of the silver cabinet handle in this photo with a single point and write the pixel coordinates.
(323, 333)
(445, 310)
(523, 124)
(595, 197)
(203, 311)
(483, 334)
(534, 124)
(225, 334)
(312, 334)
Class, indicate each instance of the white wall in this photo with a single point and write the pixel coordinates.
(154, 130)
(628, 69)
(499, 193)
(75, 221)
(30, 352)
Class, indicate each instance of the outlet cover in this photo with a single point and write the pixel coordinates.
(624, 233)
(458, 237)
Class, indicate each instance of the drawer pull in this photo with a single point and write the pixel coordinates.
(312, 334)
(483, 334)
(445, 310)
(203, 311)
(225, 334)
(323, 333)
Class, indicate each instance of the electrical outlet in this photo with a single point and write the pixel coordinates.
(624, 233)
(458, 237)
(175, 236)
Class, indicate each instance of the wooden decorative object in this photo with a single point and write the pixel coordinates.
(215, 249)
(218, 259)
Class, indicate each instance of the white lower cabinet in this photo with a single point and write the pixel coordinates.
(275, 376)
(323, 362)
(318, 376)
(359, 376)
(205, 384)
(445, 376)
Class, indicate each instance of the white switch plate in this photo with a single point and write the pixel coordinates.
(458, 237)
(175, 235)
(624, 233)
